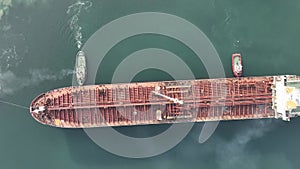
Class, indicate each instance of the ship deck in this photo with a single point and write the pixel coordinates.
(139, 103)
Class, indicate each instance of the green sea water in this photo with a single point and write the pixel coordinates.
(38, 44)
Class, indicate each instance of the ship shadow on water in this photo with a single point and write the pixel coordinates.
(85, 152)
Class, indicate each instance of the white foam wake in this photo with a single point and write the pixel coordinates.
(74, 11)
(234, 153)
(9, 58)
(10, 83)
(5, 5)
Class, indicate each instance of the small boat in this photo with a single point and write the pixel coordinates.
(80, 68)
(237, 67)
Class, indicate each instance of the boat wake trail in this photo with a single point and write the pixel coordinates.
(234, 153)
(9, 58)
(5, 5)
(74, 11)
(10, 82)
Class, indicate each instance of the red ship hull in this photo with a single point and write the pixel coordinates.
(139, 104)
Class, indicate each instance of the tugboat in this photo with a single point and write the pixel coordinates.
(237, 66)
(80, 68)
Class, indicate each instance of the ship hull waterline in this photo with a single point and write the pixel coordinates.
(164, 102)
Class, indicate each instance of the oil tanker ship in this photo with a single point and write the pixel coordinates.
(169, 102)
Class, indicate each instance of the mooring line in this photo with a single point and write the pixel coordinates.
(15, 105)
